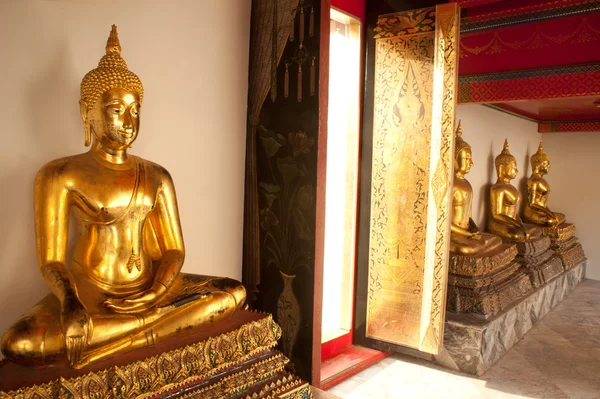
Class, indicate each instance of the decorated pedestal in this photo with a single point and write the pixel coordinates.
(565, 245)
(487, 284)
(234, 359)
(537, 260)
(472, 343)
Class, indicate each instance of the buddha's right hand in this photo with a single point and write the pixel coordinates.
(77, 328)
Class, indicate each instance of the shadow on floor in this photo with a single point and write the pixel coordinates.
(558, 359)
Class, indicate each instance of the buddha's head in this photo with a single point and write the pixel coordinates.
(540, 163)
(111, 97)
(506, 164)
(462, 154)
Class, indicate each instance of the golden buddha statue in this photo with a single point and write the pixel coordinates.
(505, 198)
(483, 275)
(536, 211)
(122, 287)
(465, 237)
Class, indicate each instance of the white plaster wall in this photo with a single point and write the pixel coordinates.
(574, 179)
(485, 129)
(192, 57)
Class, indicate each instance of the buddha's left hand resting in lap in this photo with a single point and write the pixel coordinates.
(123, 288)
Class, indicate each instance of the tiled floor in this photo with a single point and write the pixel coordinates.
(558, 359)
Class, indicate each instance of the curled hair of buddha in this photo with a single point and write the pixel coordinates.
(459, 144)
(539, 157)
(505, 157)
(111, 73)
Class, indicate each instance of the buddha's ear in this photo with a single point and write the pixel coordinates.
(83, 108)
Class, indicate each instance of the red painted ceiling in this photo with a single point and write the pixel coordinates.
(559, 109)
(512, 42)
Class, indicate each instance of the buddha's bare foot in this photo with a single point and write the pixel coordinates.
(83, 361)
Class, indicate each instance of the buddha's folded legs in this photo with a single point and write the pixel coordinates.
(192, 302)
(471, 246)
(543, 218)
(466, 246)
(506, 231)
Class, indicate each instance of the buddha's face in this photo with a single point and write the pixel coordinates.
(464, 161)
(544, 167)
(509, 170)
(116, 118)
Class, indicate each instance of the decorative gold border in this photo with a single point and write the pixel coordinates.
(483, 281)
(572, 256)
(287, 386)
(445, 94)
(406, 23)
(234, 384)
(209, 357)
(478, 266)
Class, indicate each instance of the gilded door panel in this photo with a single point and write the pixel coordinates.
(415, 80)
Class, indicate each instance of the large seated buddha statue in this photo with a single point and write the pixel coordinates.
(121, 286)
(536, 209)
(505, 198)
(483, 275)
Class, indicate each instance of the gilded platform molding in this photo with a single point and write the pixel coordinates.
(237, 364)
(565, 244)
(484, 277)
(538, 260)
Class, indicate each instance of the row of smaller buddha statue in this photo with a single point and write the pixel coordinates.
(491, 271)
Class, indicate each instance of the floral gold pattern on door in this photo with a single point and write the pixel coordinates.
(415, 77)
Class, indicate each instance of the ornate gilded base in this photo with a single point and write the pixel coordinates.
(560, 233)
(562, 246)
(232, 360)
(476, 283)
(485, 284)
(491, 299)
(537, 260)
(482, 264)
(543, 269)
(565, 244)
(532, 247)
(572, 256)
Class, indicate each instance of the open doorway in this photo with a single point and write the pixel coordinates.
(340, 358)
(342, 168)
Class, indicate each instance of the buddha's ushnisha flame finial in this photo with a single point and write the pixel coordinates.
(505, 157)
(112, 44)
(505, 150)
(459, 143)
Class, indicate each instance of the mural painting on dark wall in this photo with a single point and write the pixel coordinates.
(287, 174)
